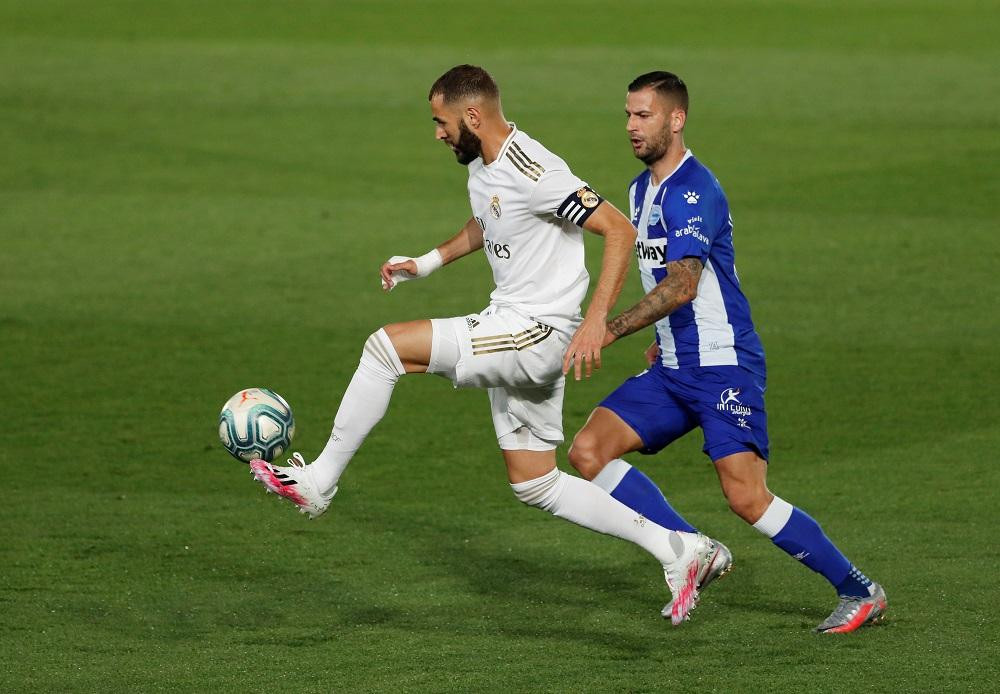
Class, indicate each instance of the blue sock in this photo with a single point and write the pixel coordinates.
(855, 583)
(794, 531)
(629, 486)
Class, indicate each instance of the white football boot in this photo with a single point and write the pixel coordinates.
(294, 482)
(682, 575)
(713, 565)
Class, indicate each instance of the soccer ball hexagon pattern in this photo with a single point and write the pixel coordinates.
(256, 423)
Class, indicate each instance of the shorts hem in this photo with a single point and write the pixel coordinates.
(540, 446)
(723, 449)
(533, 442)
(646, 448)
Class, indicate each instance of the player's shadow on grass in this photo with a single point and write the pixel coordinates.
(539, 589)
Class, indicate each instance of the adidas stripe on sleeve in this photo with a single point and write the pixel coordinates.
(523, 163)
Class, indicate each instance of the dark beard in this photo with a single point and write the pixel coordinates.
(658, 149)
(469, 146)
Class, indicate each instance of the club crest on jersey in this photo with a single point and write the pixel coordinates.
(655, 214)
(495, 206)
(588, 198)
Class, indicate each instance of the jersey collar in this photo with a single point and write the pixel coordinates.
(687, 155)
(505, 145)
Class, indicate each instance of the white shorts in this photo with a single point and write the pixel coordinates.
(518, 360)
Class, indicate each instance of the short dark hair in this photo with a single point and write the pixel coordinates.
(463, 82)
(667, 84)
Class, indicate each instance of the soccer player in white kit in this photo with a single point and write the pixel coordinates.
(528, 209)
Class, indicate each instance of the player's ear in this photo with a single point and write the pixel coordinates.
(473, 117)
(677, 120)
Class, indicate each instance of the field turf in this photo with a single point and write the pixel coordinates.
(195, 198)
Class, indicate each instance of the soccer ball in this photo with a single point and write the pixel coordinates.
(256, 423)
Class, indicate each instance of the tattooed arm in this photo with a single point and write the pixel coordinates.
(679, 287)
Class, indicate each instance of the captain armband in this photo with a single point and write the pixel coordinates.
(579, 205)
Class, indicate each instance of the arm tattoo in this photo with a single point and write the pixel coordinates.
(677, 288)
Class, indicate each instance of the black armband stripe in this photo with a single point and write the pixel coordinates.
(579, 205)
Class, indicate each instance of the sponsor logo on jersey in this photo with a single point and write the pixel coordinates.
(656, 252)
(655, 214)
(495, 206)
(481, 223)
(500, 251)
(729, 401)
(693, 230)
(691, 197)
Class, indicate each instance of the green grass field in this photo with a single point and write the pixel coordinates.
(195, 198)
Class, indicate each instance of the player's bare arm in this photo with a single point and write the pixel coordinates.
(468, 240)
(584, 351)
(678, 288)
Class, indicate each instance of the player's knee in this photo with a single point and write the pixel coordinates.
(585, 455)
(393, 331)
(380, 355)
(748, 502)
(410, 343)
(541, 492)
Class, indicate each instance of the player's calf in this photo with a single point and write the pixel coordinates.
(682, 555)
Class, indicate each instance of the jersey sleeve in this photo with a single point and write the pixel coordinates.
(561, 193)
(689, 220)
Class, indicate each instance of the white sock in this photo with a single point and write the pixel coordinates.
(586, 504)
(362, 407)
(775, 517)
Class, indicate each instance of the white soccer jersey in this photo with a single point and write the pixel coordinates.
(530, 207)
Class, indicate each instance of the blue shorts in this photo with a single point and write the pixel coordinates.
(727, 402)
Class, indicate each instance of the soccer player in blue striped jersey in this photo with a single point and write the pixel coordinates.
(706, 367)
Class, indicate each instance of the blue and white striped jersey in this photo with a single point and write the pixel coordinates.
(687, 215)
